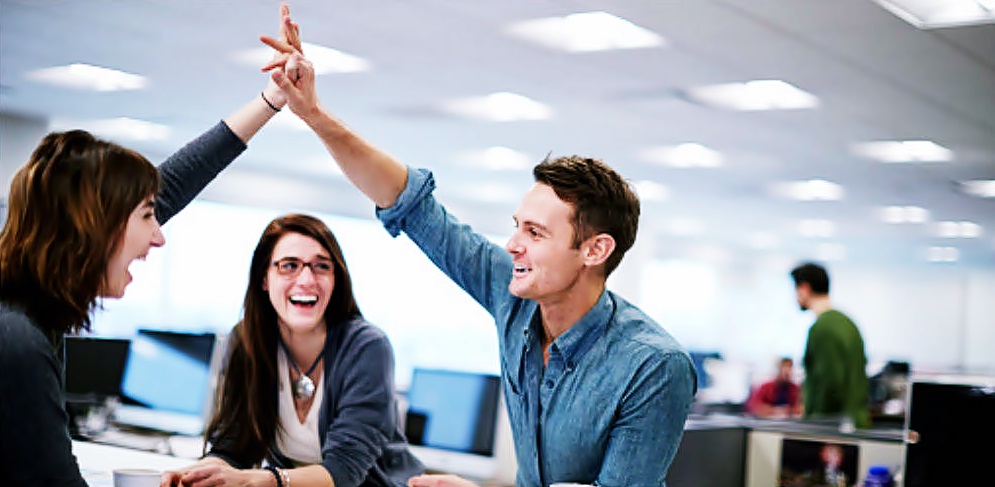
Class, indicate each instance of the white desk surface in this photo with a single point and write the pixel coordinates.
(97, 462)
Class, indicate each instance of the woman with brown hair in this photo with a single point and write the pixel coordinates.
(308, 384)
(79, 212)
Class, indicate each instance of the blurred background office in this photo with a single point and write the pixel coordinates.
(758, 132)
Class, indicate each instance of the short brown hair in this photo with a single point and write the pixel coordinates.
(67, 211)
(602, 200)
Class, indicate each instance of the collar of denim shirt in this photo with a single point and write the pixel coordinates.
(580, 337)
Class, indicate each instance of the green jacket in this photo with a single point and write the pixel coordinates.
(835, 370)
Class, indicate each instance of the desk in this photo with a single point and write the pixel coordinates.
(97, 462)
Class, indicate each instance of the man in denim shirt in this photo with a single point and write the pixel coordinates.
(596, 391)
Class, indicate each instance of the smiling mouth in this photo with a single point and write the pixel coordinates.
(306, 301)
(521, 270)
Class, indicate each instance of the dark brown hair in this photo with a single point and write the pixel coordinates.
(602, 201)
(246, 406)
(812, 274)
(67, 212)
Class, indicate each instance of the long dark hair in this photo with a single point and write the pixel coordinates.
(68, 210)
(246, 407)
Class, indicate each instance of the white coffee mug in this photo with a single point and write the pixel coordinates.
(136, 477)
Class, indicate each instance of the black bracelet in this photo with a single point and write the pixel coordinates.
(273, 470)
(275, 109)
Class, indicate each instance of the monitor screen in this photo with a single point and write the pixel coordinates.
(94, 367)
(948, 421)
(167, 381)
(453, 410)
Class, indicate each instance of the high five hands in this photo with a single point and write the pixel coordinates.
(289, 69)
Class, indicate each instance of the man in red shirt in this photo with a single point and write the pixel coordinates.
(777, 398)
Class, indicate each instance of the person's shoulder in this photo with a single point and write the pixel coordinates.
(20, 338)
(357, 330)
(639, 334)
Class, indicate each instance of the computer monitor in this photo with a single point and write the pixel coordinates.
(452, 419)
(951, 424)
(94, 367)
(168, 381)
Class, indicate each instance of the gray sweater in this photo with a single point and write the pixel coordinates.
(35, 447)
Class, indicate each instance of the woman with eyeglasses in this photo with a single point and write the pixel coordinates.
(308, 385)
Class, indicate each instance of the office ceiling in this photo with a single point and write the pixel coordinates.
(876, 77)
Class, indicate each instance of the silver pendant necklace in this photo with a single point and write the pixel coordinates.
(303, 386)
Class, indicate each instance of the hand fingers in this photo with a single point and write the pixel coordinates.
(278, 45)
(279, 61)
(289, 30)
(169, 479)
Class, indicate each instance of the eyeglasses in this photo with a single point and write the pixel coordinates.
(291, 267)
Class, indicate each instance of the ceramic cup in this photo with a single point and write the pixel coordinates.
(136, 477)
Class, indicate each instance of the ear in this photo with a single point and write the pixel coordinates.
(597, 249)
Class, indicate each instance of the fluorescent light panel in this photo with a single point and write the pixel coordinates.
(904, 151)
(903, 214)
(88, 77)
(499, 107)
(957, 229)
(981, 188)
(932, 14)
(688, 154)
(497, 158)
(767, 94)
(585, 32)
(942, 254)
(121, 128)
(324, 59)
(810, 190)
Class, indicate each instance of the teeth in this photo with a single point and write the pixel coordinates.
(311, 299)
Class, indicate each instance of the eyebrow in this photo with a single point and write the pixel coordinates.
(150, 203)
(535, 224)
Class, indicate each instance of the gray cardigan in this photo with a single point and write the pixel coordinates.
(361, 440)
(35, 447)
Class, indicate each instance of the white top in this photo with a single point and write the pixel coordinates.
(297, 441)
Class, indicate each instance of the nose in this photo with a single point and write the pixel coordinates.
(306, 276)
(513, 246)
(158, 239)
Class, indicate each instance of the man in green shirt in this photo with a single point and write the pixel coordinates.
(835, 364)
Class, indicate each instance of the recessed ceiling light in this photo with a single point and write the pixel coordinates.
(121, 128)
(88, 77)
(903, 214)
(766, 94)
(904, 151)
(689, 154)
(942, 254)
(810, 190)
(982, 188)
(816, 228)
(324, 59)
(931, 14)
(499, 107)
(497, 159)
(585, 32)
(953, 229)
(651, 191)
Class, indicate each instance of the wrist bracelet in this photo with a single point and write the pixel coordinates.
(275, 109)
(286, 477)
(273, 470)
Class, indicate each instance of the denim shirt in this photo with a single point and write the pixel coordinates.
(610, 405)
